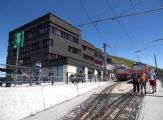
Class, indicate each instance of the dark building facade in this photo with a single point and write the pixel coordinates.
(58, 45)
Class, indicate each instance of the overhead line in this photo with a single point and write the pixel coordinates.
(131, 8)
(106, 11)
(94, 25)
(122, 16)
(157, 40)
(121, 26)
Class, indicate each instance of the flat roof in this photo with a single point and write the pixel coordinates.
(64, 21)
(39, 19)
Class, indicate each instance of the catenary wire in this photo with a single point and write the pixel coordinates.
(94, 25)
(122, 16)
(107, 11)
(121, 26)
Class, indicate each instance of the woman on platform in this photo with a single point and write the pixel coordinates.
(152, 79)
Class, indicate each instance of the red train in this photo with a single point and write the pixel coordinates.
(140, 68)
(123, 73)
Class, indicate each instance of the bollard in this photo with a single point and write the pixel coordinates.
(66, 77)
(52, 80)
(30, 77)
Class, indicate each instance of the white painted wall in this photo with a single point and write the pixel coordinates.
(18, 103)
(86, 73)
(95, 72)
(110, 67)
(65, 69)
(102, 73)
(71, 68)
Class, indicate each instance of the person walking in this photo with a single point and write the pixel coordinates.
(37, 69)
(143, 81)
(152, 79)
(135, 78)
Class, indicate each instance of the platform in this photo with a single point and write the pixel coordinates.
(152, 106)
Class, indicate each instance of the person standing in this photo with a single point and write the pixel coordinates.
(143, 81)
(135, 78)
(37, 69)
(152, 79)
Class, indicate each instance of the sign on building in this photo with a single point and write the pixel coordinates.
(19, 39)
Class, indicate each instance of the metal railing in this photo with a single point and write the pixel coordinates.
(17, 75)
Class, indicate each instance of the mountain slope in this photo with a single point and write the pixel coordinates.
(122, 61)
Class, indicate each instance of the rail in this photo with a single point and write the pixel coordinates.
(93, 105)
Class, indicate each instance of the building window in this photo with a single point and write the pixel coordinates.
(35, 46)
(98, 55)
(87, 57)
(98, 62)
(70, 38)
(53, 56)
(50, 42)
(74, 50)
(45, 43)
(26, 60)
(58, 32)
(76, 40)
(43, 31)
(84, 47)
(64, 34)
(29, 36)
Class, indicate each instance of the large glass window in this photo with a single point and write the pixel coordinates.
(43, 30)
(50, 42)
(70, 38)
(58, 73)
(58, 32)
(29, 36)
(74, 50)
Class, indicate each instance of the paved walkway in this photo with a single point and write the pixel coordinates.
(152, 108)
(58, 111)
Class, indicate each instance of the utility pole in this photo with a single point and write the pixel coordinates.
(104, 46)
(155, 62)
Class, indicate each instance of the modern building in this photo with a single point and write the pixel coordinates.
(58, 45)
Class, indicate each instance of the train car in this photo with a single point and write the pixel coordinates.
(140, 68)
(123, 73)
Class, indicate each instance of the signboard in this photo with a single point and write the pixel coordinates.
(19, 39)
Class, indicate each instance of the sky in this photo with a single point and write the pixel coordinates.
(123, 36)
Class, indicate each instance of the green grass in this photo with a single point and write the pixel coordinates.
(126, 62)
(122, 61)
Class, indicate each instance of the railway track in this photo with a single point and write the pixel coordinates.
(108, 106)
(97, 104)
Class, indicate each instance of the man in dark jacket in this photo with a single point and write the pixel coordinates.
(135, 78)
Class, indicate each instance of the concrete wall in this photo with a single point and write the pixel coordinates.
(18, 103)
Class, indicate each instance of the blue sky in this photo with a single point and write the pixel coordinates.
(141, 29)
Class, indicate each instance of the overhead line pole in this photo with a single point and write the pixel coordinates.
(137, 52)
(104, 46)
(155, 62)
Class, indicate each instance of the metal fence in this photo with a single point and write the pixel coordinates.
(17, 75)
